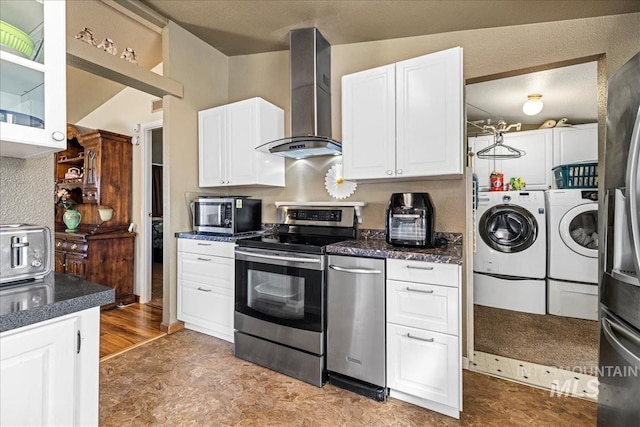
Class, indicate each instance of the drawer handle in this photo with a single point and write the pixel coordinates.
(420, 339)
(417, 267)
(203, 259)
(419, 290)
(74, 246)
(205, 290)
(204, 244)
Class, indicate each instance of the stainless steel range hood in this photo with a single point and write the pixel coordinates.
(310, 56)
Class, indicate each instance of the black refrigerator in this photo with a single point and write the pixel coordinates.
(619, 357)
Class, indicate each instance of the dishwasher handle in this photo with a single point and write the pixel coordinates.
(355, 270)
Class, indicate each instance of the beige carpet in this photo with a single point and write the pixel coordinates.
(548, 340)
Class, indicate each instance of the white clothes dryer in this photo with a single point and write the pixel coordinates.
(511, 251)
(573, 234)
(572, 225)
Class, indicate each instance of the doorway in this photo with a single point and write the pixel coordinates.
(151, 279)
(511, 342)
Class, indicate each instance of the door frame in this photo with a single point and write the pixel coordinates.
(145, 230)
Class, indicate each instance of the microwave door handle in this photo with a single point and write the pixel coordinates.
(632, 200)
(279, 258)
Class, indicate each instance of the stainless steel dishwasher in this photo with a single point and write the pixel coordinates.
(356, 344)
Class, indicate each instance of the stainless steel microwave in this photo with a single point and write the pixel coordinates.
(227, 215)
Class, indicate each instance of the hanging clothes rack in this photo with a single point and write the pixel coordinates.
(498, 150)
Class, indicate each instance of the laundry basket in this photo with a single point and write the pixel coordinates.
(576, 175)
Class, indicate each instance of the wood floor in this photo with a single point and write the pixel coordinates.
(124, 328)
(188, 378)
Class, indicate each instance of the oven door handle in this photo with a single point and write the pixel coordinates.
(355, 270)
(279, 258)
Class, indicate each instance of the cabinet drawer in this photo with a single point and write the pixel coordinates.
(207, 247)
(207, 269)
(71, 245)
(423, 364)
(423, 272)
(423, 306)
(208, 307)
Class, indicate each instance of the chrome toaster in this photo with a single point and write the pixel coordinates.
(25, 252)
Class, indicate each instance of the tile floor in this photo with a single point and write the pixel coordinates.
(559, 381)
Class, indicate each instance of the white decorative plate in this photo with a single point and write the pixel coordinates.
(336, 185)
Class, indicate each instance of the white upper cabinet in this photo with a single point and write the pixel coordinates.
(228, 136)
(33, 106)
(369, 123)
(534, 167)
(575, 144)
(404, 119)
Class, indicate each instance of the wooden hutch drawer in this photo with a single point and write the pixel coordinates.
(71, 245)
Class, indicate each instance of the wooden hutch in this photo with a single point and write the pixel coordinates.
(96, 168)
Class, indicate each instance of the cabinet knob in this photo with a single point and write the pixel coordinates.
(58, 136)
(399, 171)
(58, 244)
(228, 181)
(222, 181)
(74, 246)
(389, 172)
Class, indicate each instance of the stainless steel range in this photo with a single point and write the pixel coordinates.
(280, 310)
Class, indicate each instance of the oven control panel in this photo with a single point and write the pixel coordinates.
(334, 215)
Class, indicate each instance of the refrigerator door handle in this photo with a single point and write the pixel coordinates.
(629, 356)
(632, 206)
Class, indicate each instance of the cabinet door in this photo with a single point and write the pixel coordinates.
(575, 144)
(423, 364)
(429, 114)
(483, 167)
(368, 123)
(33, 89)
(59, 261)
(75, 264)
(242, 127)
(212, 134)
(37, 375)
(535, 166)
(207, 307)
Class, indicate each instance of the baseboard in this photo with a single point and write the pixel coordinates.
(465, 363)
(172, 327)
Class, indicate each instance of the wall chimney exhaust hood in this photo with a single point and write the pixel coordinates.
(310, 62)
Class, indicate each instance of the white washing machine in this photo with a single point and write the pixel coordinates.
(510, 263)
(572, 224)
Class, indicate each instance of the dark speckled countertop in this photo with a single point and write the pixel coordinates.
(217, 237)
(373, 245)
(56, 295)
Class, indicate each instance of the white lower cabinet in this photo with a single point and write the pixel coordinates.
(423, 364)
(49, 372)
(206, 280)
(424, 352)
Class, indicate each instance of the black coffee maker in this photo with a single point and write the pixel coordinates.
(410, 220)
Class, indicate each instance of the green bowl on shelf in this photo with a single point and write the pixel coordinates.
(16, 39)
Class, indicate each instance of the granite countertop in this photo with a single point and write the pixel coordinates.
(217, 237)
(57, 295)
(373, 246)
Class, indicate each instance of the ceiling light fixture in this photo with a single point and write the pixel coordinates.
(533, 105)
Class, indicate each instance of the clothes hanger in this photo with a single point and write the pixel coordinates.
(506, 152)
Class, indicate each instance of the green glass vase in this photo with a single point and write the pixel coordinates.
(71, 219)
